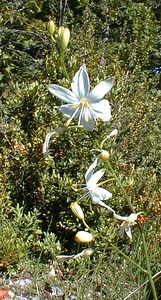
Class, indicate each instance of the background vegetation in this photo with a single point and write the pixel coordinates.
(115, 39)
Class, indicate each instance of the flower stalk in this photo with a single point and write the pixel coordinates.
(128, 258)
(109, 167)
(64, 69)
(148, 265)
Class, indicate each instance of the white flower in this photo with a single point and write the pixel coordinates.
(97, 193)
(127, 223)
(81, 103)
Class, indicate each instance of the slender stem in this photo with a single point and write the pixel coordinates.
(101, 146)
(63, 64)
(120, 185)
(127, 257)
(105, 181)
(148, 266)
(85, 224)
(61, 14)
(133, 292)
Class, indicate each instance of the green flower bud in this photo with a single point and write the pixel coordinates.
(83, 237)
(77, 211)
(63, 37)
(104, 155)
(51, 27)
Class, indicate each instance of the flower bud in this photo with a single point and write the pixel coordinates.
(104, 155)
(56, 132)
(87, 252)
(83, 237)
(113, 133)
(77, 211)
(51, 27)
(63, 37)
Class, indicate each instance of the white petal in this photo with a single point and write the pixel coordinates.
(101, 193)
(95, 199)
(62, 93)
(100, 90)
(101, 203)
(90, 170)
(95, 178)
(80, 85)
(101, 110)
(132, 218)
(68, 110)
(118, 217)
(128, 231)
(87, 120)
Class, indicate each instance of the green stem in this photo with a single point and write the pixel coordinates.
(127, 257)
(120, 185)
(148, 266)
(63, 65)
(85, 224)
(105, 181)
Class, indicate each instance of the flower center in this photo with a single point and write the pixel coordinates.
(83, 105)
(83, 102)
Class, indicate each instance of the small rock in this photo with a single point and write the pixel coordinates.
(54, 290)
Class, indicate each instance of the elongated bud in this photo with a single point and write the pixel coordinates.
(113, 133)
(63, 37)
(51, 27)
(56, 132)
(77, 211)
(104, 155)
(87, 252)
(83, 237)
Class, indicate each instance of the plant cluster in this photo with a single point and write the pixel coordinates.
(43, 45)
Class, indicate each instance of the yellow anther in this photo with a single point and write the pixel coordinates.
(75, 106)
(86, 119)
(83, 102)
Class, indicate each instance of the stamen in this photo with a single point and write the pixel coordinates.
(83, 102)
(87, 194)
(76, 105)
(86, 118)
(80, 116)
(82, 105)
(72, 117)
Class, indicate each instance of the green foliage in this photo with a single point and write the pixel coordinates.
(21, 234)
